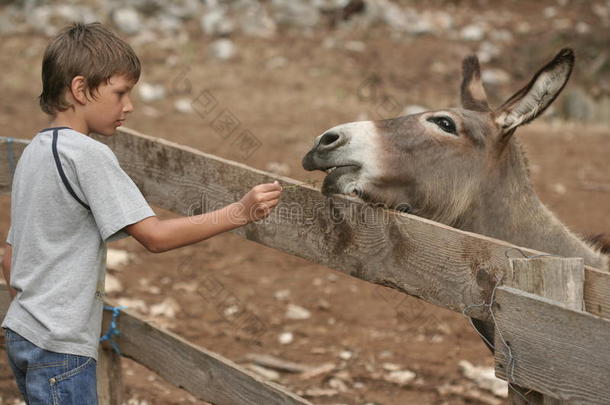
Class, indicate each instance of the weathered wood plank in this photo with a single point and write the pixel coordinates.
(206, 375)
(555, 350)
(555, 278)
(109, 377)
(439, 264)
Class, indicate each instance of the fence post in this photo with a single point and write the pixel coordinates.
(109, 377)
(556, 278)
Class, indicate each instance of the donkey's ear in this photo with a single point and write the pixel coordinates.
(472, 91)
(531, 101)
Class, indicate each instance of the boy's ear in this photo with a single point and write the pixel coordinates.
(531, 101)
(78, 89)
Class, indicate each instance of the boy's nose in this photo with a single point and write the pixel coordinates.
(128, 107)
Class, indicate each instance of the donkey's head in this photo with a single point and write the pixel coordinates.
(438, 163)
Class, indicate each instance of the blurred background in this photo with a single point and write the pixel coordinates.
(277, 73)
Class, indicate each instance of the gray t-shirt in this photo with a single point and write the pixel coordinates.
(59, 246)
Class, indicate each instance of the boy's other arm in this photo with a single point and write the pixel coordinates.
(162, 235)
(6, 268)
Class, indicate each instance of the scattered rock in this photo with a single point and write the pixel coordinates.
(559, 188)
(268, 374)
(286, 338)
(472, 32)
(217, 23)
(276, 363)
(400, 377)
(151, 92)
(485, 378)
(495, 77)
(112, 284)
(281, 295)
(346, 355)
(255, 21)
(337, 384)
(318, 371)
(167, 308)
(183, 105)
(222, 49)
(127, 20)
(297, 312)
(116, 258)
(391, 366)
(295, 13)
(321, 392)
(133, 304)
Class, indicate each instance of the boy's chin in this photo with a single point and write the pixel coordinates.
(106, 132)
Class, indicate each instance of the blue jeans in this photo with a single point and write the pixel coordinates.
(46, 377)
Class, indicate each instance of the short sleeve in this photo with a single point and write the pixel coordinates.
(114, 199)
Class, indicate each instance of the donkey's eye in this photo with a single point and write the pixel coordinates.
(444, 123)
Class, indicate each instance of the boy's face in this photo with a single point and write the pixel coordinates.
(109, 109)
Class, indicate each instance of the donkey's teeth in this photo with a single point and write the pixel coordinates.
(330, 170)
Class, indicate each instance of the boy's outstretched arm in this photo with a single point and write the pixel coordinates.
(6, 268)
(160, 236)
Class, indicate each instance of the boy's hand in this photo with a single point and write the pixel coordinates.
(257, 203)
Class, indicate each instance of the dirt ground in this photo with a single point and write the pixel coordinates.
(286, 91)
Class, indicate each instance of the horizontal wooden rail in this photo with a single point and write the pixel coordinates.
(439, 264)
(206, 375)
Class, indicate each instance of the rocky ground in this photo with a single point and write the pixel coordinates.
(285, 71)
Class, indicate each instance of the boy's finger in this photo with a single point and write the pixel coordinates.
(270, 186)
(271, 195)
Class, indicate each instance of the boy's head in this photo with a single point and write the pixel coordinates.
(80, 63)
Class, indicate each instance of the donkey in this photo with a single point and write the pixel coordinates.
(460, 166)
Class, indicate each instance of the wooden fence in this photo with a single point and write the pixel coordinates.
(551, 345)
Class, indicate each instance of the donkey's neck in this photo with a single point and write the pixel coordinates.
(511, 211)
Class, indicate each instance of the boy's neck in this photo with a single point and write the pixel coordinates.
(69, 118)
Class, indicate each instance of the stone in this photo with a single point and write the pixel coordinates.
(295, 13)
(112, 284)
(266, 373)
(167, 308)
(472, 32)
(297, 312)
(286, 338)
(281, 295)
(183, 105)
(222, 49)
(151, 92)
(400, 377)
(217, 23)
(117, 258)
(485, 378)
(255, 21)
(495, 77)
(127, 20)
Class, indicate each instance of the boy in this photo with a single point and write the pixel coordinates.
(70, 197)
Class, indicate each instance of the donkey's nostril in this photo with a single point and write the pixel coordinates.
(329, 138)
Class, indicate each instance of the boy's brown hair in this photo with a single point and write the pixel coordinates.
(89, 50)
